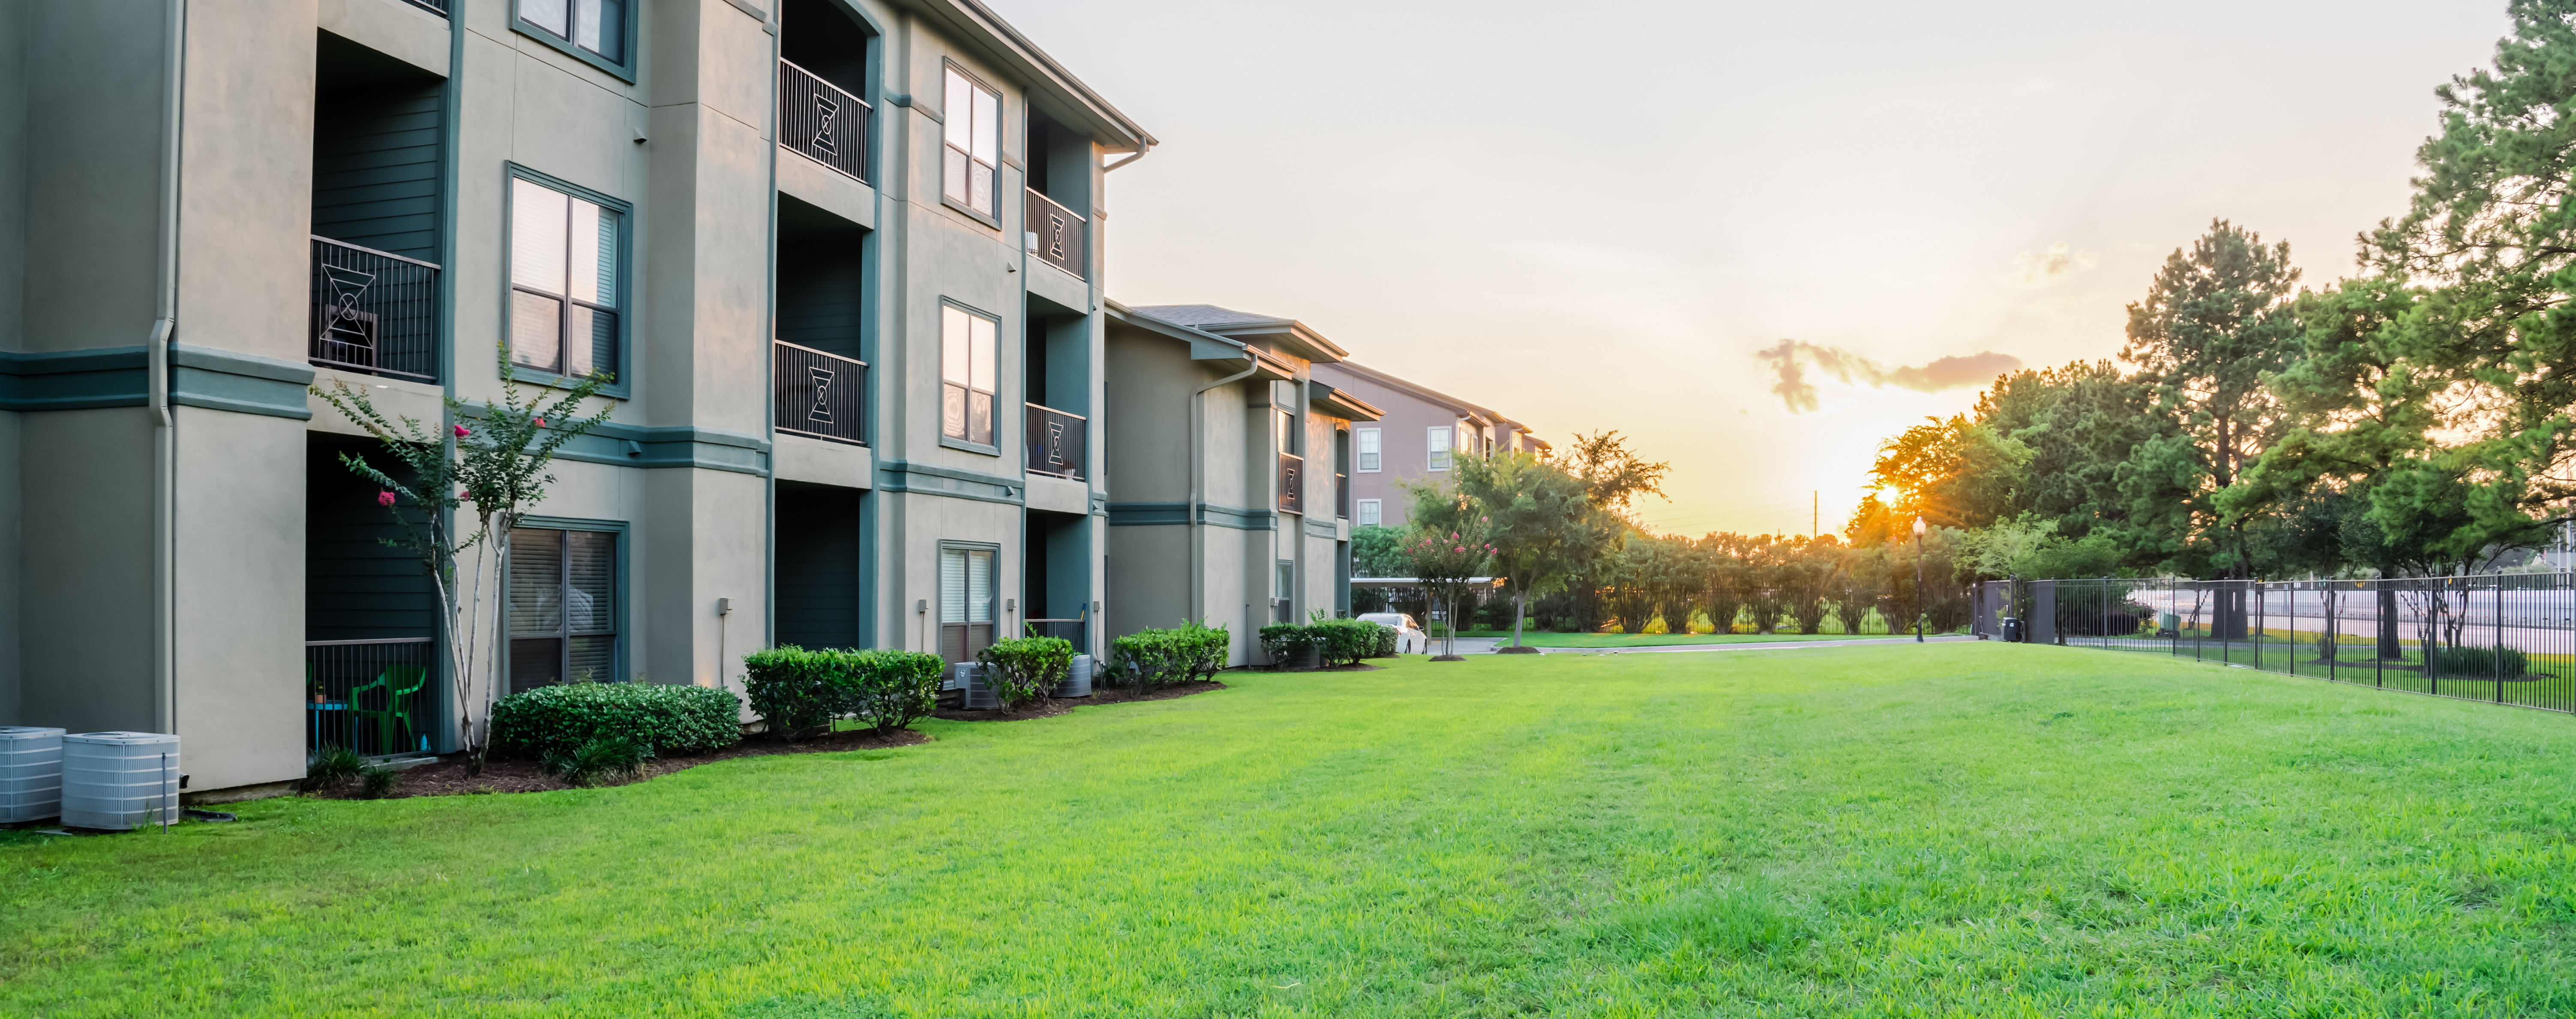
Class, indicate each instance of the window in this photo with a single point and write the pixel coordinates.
(965, 602)
(594, 30)
(1286, 587)
(562, 607)
(564, 290)
(1367, 440)
(966, 375)
(973, 117)
(1439, 441)
(1288, 432)
(1369, 513)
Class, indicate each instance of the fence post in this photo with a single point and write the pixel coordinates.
(2498, 654)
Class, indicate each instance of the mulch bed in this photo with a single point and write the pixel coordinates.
(1061, 705)
(448, 777)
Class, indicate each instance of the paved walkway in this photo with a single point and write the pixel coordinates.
(1486, 645)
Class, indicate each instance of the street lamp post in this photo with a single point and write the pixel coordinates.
(1918, 580)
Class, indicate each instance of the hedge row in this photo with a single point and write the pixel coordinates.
(797, 691)
(554, 721)
(1025, 669)
(1336, 641)
(1159, 658)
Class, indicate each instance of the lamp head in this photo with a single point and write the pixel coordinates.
(1918, 527)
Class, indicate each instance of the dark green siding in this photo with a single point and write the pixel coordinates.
(355, 588)
(818, 295)
(376, 166)
(818, 566)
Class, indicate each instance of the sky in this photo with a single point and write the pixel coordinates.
(1647, 216)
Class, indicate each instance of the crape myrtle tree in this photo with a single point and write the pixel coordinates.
(488, 471)
(1541, 522)
(1445, 546)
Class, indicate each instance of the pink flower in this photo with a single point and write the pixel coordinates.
(384, 498)
(541, 422)
(464, 496)
(1460, 548)
(461, 432)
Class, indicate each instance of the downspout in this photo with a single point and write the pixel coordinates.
(156, 367)
(1198, 474)
(1138, 154)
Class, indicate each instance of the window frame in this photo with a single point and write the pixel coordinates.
(1368, 513)
(939, 599)
(1368, 455)
(623, 69)
(619, 667)
(621, 384)
(967, 442)
(973, 82)
(1439, 453)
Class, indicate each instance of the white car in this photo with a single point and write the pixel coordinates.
(1409, 638)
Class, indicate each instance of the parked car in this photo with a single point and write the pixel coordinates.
(1409, 638)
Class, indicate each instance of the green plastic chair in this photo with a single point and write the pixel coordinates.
(397, 682)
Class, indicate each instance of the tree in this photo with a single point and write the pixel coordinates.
(489, 471)
(1445, 562)
(1374, 551)
(2214, 326)
(1542, 521)
(1614, 478)
(1959, 472)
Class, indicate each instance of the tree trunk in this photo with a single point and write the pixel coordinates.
(1520, 611)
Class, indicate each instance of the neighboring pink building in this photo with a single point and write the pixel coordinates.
(1421, 431)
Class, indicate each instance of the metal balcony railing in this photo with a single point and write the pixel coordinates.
(819, 394)
(1059, 236)
(1292, 483)
(437, 7)
(1058, 442)
(374, 312)
(371, 696)
(817, 118)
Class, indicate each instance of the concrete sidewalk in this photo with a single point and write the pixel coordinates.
(1486, 645)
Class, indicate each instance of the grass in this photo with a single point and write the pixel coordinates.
(1960, 829)
(1535, 638)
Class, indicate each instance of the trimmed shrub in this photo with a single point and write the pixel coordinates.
(1154, 659)
(1284, 643)
(795, 690)
(606, 759)
(889, 690)
(2474, 662)
(1024, 670)
(331, 766)
(1346, 641)
(660, 718)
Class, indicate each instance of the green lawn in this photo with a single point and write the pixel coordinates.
(1961, 829)
(1534, 638)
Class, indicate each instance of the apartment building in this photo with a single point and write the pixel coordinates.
(1419, 432)
(840, 257)
(1229, 479)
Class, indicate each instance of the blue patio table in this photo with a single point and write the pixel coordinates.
(318, 708)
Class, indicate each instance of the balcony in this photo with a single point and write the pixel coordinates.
(817, 118)
(819, 394)
(437, 7)
(1059, 443)
(371, 696)
(1059, 236)
(374, 312)
(1292, 483)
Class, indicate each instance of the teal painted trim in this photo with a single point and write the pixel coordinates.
(624, 71)
(1322, 529)
(623, 445)
(242, 383)
(928, 479)
(115, 377)
(971, 447)
(73, 379)
(1175, 514)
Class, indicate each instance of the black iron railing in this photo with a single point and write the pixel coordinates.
(2508, 639)
(437, 7)
(1292, 483)
(1058, 442)
(817, 118)
(374, 312)
(819, 394)
(1059, 236)
(371, 696)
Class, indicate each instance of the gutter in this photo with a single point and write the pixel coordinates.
(165, 651)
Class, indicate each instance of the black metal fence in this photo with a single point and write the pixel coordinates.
(1058, 442)
(1077, 631)
(374, 312)
(372, 696)
(1058, 235)
(2506, 638)
(437, 7)
(821, 120)
(819, 394)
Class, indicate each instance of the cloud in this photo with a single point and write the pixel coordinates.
(2034, 269)
(1789, 361)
